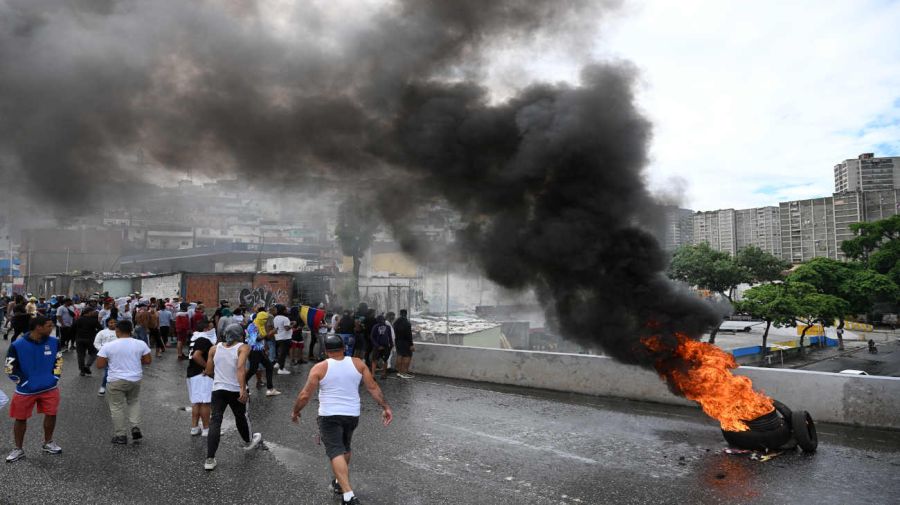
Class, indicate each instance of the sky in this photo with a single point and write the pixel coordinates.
(752, 103)
(755, 102)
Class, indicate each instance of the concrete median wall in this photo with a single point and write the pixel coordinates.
(845, 399)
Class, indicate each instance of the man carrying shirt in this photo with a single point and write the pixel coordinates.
(34, 363)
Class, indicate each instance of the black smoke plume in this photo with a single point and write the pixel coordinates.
(550, 179)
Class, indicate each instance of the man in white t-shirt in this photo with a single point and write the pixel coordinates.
(284, 330)
(125, 357)
(102, 338)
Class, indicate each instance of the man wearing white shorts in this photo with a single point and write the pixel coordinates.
(199, 385)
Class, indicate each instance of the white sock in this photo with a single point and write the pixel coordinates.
(348, 495)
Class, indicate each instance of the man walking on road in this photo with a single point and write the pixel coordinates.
(102, 338)
(337, 380)
(124, 356)
(34, 363)
(85, 330)
(226, 364)
(65, 317)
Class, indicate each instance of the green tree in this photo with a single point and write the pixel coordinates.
(355, 232)
(852, 282)
(763, 266)
(813, 307)
(773, 303)
(702, 266)
(877, 245)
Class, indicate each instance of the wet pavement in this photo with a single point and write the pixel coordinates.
(452, 442)
(885, 362)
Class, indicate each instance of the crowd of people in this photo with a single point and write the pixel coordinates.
(224, 350)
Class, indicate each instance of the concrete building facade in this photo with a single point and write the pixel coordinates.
(760, 227)
(807, 229)
(679, 228)
(867, 173)
(816, 227)
(716, 228)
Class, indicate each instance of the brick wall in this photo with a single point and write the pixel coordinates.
(237, 288)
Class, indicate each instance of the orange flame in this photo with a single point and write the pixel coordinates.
(702, 373)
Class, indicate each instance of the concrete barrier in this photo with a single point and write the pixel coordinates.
(846, 399)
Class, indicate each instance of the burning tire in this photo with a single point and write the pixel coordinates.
(767, 432)
(779, 429)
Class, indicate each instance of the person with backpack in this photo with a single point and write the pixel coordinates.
(380, 342)
(258, 332)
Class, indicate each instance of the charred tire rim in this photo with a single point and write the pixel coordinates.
(805, 431)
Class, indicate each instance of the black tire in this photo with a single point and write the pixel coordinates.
(758, 440)
(805, 431)
(783, 410)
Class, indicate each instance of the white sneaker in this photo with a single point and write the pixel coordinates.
(284, 372)
(195, 431)
(276, 366)
(205, 432)
(51, 448)
(254, 441)
(209, 464)
(273, 392)
(101, 391)
(15, 455)
(404, 376)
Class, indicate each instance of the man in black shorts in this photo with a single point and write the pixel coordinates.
(337, 380)
(403, 339)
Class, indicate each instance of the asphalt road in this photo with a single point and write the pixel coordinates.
(452, 442)
(886, 362)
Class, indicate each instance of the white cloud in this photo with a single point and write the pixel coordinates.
(755, 102)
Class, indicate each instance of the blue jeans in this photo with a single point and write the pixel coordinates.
(140, 333)
(105, 376)
(349, 343)
(270, 350)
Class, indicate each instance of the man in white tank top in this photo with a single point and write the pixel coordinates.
(337, 380)
(226, 364)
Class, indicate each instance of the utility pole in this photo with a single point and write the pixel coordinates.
(447, 280)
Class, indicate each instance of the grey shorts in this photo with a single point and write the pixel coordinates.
(336, 433)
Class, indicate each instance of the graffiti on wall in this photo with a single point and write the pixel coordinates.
(263, 295)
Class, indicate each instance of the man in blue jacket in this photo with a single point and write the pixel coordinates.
(34, 363)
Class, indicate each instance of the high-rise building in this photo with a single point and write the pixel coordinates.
(679, 229)
(867, 173)
(716, 228)
(807, 229)
(760, 227)
(848, 209)
(817, 227)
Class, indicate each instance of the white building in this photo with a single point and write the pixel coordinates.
(867, 173)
